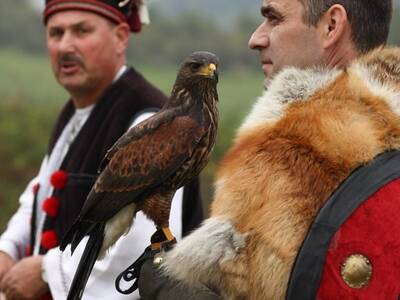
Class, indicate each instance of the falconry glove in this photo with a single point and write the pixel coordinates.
(155, 286)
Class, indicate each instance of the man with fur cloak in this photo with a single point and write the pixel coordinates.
(331, 107)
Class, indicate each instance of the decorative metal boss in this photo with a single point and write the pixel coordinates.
(356, 271)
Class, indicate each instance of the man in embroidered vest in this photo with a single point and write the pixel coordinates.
(87, 41)
(328, 109)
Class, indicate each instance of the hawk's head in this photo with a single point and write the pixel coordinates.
(198, 66)
(196, 81)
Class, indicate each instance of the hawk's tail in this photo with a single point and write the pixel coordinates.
(86, 263)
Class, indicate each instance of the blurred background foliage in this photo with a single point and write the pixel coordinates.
(30, 98)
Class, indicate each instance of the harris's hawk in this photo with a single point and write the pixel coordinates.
(148, 164)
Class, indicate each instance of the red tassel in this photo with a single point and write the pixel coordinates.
(59, 179)
(51, 206)
(49, 239)
(134, 20)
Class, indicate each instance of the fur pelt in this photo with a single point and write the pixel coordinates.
(304, 136)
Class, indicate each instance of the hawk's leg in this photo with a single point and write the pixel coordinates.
(162, 239)
(157, 207)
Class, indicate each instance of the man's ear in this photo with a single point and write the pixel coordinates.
(334, 26)
(122, 33)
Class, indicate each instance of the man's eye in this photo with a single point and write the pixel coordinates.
(83, 30)
(55, 33)
(272, 19)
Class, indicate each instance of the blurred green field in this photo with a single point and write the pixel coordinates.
(30, 99)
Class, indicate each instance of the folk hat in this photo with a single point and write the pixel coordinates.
(133, 12)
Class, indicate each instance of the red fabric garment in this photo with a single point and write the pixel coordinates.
(374, 231)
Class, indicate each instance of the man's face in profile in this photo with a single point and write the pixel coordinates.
(283, 39)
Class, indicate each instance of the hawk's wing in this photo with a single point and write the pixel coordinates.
(139, 162)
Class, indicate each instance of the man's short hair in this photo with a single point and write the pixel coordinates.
(369, 19)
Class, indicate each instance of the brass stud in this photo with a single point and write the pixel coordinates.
(356, 271)
(158, 260)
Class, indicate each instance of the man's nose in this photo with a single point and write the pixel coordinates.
(66, 43)
(259, 39)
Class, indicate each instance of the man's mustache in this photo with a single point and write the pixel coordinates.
(68, 58)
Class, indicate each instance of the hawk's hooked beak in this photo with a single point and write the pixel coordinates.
(209, 70)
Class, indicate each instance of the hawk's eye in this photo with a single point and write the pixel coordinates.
(195, 66)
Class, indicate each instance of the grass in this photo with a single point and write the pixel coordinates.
(28, 78)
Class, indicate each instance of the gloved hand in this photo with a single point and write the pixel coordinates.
(155, 286)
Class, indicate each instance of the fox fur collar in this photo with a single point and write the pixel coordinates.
(303, 137)
(293, 84)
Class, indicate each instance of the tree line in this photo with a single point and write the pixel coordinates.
(165, 41)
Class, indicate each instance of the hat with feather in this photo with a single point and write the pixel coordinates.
(132, 12)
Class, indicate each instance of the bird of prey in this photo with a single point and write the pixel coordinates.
(148, 164)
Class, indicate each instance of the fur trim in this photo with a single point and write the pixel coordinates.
(289, 86)
(386, 90)
(198, 255)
